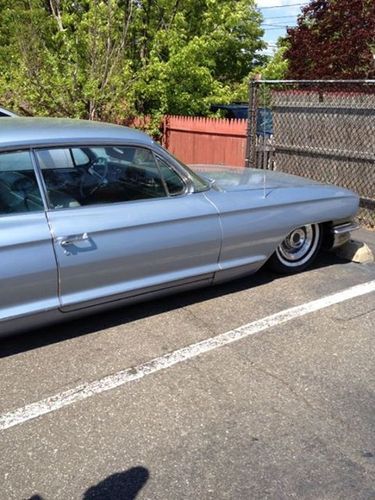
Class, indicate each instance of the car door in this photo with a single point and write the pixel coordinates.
(28, 271)
(121, 228)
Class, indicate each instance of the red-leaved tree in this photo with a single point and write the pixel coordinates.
(333, 39)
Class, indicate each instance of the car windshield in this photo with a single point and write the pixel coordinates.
(200, 183)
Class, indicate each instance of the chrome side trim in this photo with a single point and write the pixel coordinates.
(345, 228)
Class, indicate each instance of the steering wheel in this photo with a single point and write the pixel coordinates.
(94, 177)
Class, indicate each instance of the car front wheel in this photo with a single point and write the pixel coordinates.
(298, 250)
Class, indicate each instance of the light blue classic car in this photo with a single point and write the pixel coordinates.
(95, 215)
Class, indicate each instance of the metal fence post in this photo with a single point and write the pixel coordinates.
(165, 141)
(251, 135)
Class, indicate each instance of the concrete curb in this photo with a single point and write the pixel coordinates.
(356, 251)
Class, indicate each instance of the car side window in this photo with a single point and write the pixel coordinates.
(94, 175)
(175, 184)
(19, 191)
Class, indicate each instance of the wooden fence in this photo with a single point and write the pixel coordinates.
(197, 140)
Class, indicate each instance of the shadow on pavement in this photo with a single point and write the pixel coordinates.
(120, 486)
(99, 321)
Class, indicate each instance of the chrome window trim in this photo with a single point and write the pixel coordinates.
(40, 180)
(185, 189)
(51, 208)
(179, 167)
(72, 143)
(155, 149)
(103, 205)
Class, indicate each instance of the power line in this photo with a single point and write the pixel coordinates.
(281, 17)
(282, 6)
(275, 24)
(279, 28)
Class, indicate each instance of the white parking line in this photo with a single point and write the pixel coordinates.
(84, 391)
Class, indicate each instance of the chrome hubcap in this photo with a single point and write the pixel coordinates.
(299, 245)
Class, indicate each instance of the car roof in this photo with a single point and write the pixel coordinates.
(24, 132)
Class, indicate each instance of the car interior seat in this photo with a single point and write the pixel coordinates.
(20, 193)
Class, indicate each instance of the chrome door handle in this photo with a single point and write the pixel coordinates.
(70, 240)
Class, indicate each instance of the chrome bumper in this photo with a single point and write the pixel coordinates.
(341, 233)
(345, 228)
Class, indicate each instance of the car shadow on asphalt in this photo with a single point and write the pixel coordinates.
(119, 486)
(34, 339)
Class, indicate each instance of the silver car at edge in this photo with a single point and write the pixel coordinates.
(6, 113)
(96, 215)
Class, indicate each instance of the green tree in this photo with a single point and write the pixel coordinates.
(274, 67)
(277, 66)
(110, 59)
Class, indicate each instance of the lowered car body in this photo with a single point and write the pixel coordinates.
(96, 215)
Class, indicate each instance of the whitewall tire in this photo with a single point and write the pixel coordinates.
(298, 250)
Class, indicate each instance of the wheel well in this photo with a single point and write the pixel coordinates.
(327, 235)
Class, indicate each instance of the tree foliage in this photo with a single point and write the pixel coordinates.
(333, 39)
(110, 59)
(276, 67)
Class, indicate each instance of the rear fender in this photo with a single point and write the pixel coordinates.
(254, 223)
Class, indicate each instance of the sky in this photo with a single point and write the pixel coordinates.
(278, 14)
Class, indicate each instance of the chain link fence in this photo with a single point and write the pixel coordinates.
(324, 130)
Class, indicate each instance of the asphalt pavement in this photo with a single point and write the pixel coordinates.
(286, 409)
